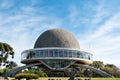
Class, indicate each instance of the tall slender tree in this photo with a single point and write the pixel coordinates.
(5, 51)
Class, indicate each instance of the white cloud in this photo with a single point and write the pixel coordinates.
(73, 15)
(103, 42)
(73, 12)
(29, 10)
(107, 27)
(5, 4)
(21, 31)
(100, 12)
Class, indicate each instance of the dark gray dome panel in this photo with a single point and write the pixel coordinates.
(56, 38)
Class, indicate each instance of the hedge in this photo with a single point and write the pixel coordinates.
(27, 76)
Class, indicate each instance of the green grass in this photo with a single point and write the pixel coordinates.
(66, 78)
(105, 78)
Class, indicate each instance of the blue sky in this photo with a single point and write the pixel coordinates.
(95, 23)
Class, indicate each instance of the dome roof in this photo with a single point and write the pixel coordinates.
(56, 38)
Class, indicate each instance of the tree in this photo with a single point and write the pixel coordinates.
(11, 65)
(2, 71)
(112, 69)
(97, 64)
(109, 68)
(5, 51)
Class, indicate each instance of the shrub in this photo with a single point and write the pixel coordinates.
(2, 71)
(38, 72)
(26, 75)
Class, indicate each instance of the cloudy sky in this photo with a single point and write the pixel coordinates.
(95, 23)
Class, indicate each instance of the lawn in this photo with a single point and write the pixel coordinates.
(105, 78)
(77, 78)
(67, 78)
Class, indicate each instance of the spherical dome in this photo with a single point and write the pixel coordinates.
(56, 38)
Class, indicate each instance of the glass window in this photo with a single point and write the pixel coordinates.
(70, 53)
(30, 55)
(41, 53)
(74, 54)
(23, 56)
(78, 54)
(65, 53)
(56, 53)
(85, 55)
(81, 55)
(91, 57)
(45, 53)
(37, 53)
(60, 53)
(51, 53)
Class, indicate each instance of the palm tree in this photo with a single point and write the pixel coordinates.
(5, 51)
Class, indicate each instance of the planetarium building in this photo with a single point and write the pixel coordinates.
(57, 52)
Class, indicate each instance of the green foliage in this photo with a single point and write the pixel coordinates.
(11, 65)
(80, 75)
(109, 68)
(97, 64)
(67, 78)
(105, 79)
(112, 69)
(27, 76)
(2, 71)
(38, 72)
(5, 51)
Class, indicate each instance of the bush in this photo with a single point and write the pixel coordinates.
(26, 75)
(80, 75)
(38, 72)
(2, 71)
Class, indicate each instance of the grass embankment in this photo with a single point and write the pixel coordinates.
(66, 78)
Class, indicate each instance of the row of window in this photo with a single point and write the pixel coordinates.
(55, 53)
(57, 63)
